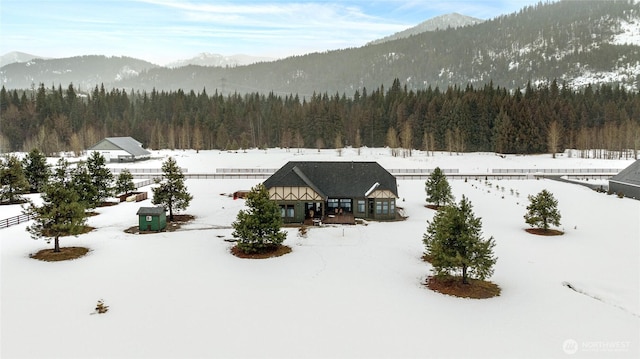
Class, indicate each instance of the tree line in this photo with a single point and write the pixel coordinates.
(537, 119)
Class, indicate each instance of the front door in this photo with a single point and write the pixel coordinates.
(371, 208)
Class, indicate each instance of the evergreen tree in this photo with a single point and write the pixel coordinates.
(438, 188)
(258, 228)
(13, 181)
(61, 214)
(171, 193)
(124, 182)
(82, 184)
(101, 176)
(542, 210)
(36, 170)
(454, 243)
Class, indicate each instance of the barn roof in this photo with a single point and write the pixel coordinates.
(629, 175)
(128, 144)
(334, 179)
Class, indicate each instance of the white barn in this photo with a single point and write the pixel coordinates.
(120, 149)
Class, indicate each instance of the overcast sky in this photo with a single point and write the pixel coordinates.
(162, 31)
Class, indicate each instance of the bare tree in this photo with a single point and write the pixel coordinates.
(459, 139)
(392, 141)
(285, 139)
(299, 141)
(197, 138)
(358, 141)
(406, 139)
(338, 144)
(319, 143)
(554, 134)
(449, 141)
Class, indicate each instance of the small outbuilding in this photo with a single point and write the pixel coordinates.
(152, 218)
(627, 182)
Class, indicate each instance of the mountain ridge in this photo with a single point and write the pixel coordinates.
(576, 44)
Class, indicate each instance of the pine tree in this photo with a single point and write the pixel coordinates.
(258, 228)
(124, 182)
(101, 176)
(36, 170)
(82, 184)
(61, 213)
(171, 193)
(542, 210)
(438, 188)
(454, 243)
(13, 181)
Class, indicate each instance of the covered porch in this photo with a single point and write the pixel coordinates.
(343, 218)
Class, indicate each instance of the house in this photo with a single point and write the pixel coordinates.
(330, 191)
(152, 218)
(120, 149)
(627, 182)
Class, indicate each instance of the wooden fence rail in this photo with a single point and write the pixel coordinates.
(12, 221)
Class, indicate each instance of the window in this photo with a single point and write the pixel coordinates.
(385, 207)
(148, 218)
(345, 204)
(332, 204)
(392, 206)
(378, 207)
(361, 204)
(287, 211)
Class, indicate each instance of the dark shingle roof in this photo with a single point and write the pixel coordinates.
(150, 211)
(334, 179)
(629, 175)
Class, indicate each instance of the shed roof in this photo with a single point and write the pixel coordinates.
(629, 175)
(334, 179)
(151, 211)
(128, 144)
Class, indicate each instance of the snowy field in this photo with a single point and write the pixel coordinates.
(344, 291)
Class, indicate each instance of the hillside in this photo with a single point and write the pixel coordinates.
(17, 56)
(574, 42)
(85, 72)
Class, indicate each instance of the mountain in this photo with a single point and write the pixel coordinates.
(573, 42)
(85, 72)
(442, 22)
(217, 60)
(16, 56)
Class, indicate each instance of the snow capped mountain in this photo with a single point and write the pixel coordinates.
(217, 60)
(442, 22)
(16, 56)
(575, 43)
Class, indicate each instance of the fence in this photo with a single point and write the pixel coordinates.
(12, 221)
(142, 170)
(556, 170)
(246, 170)
(422, 170)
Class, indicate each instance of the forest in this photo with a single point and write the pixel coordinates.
(536, 119)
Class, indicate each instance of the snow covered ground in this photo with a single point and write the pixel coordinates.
(344, 291)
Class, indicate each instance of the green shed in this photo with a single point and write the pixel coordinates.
(152, 218)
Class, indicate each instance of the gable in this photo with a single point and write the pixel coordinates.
(335, 179)
(127, 144)
(104, 145)
(629, 175)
